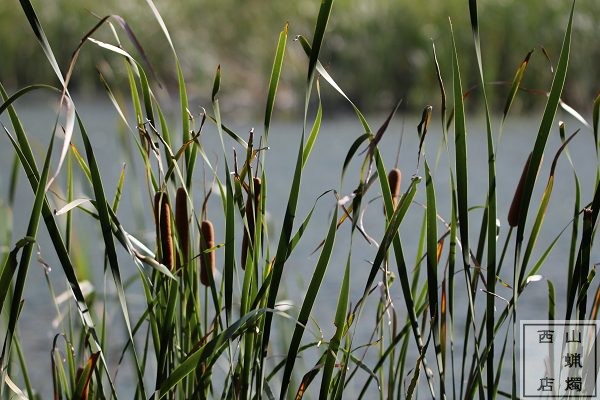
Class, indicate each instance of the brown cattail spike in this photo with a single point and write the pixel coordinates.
(207, 260)
(515, 206)
(181, 224)
(252, 205)
(394, 180)
(162, 214)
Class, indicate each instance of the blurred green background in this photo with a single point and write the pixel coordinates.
(377, 50)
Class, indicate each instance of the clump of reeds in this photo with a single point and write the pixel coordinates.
(252, 205)
(181, 225)
(162, 215)
(207, 258)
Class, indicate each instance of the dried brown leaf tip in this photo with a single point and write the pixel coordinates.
(182, 226)
(394, 180)
(162, 215)
(515, 206)
(252, 205)
(207, 258)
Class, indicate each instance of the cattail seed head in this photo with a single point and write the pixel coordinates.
(394, 180)
(515, 206)
(162, 214)
(182, 226)
(207, 260)
(252, 205)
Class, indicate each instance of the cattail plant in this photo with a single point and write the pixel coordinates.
(252, 205)
(162, 215)
(394, 180)
(181, 224)
(515, 206)
(207, 260)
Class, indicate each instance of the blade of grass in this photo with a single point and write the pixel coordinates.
(32, 229)
(41, 38)
(544, 129)
(516, 83)
(539, 219)
(432, 279)
(596, 121)
(105, 223)
(392, 229)
(10, 267)
(308, 303)
(28, 163)
(460, 133)
(340, 324)
(274, 80)
(209, 353)
(280, 256)
(322, 19)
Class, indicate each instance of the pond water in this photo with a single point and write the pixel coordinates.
(322, 173)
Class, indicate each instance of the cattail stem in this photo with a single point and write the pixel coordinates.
(207, 260)
(162, 214)
(252, 205)
(182, 226)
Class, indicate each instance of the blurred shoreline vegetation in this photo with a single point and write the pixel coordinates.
(380, 49)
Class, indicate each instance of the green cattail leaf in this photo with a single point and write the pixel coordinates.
(308, 303)
(340, 324)
(432, 278)
(422, 129)
(596, 120)
(307, 49)
(41, 38)
(274, 80)
(28, 163)
(229, 257)
(582, 265)
(545, 127)
(596, 305)
(302, 228)
(460, 133)
(216, 83)
(443, 106)
(288, 221)
(394, 217)
(10, 267)
(551, 301)
(210, 352)
(322, 19)
(32, 229)
(539, 219)
(352, 151)
(540, 262)
(106, 227)
(574, 230)
(284, 240)
(516, 82)
(402, 336)
(314, 132)
(119, 191)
